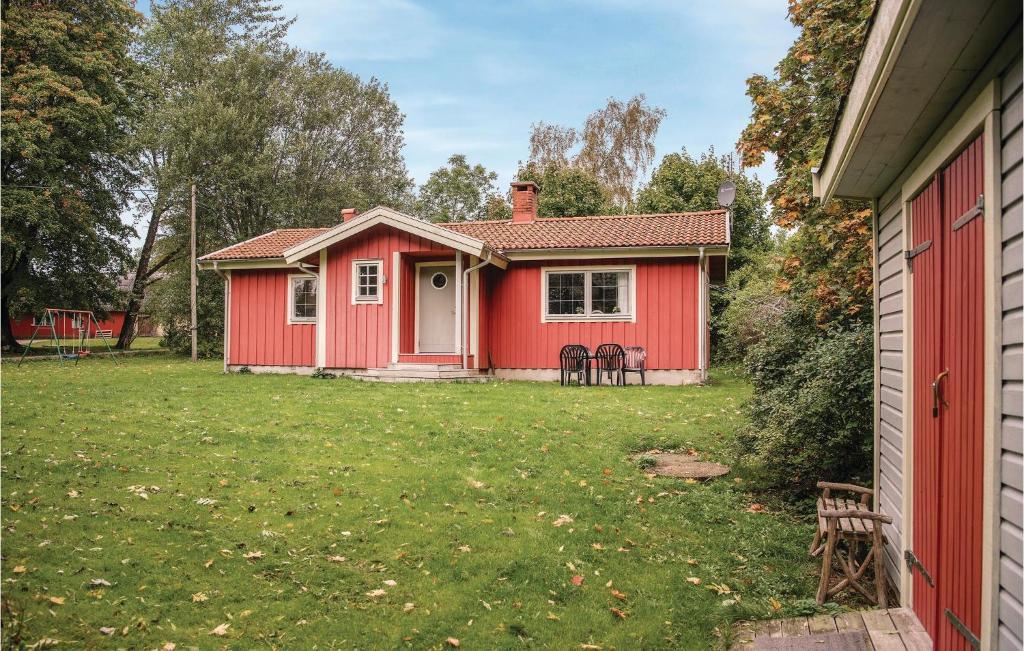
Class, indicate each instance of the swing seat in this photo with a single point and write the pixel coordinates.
(70, 356)
(84, 353)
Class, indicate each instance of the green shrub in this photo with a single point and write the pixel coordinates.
(746, 307)
(811, 410)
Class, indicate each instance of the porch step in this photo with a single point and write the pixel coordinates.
(420, 373)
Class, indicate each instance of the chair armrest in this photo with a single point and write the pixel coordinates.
(846, 487)
(856, 513)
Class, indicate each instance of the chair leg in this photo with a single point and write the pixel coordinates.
(826, 562)
(879, 566)
(643, 380)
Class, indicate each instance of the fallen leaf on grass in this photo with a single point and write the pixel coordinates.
(19, 569)
(252, 556)
(107, 630)
(618, 612)
(695, 580)
(577, 580)
(553, 617)
(476, 484)
(590, 647)
(337, 559)
(199, 597)
(390, 583)
(99, 582)
(465, 549)
(208, 563)
(452, 642)
(562, 519)
(618, 595)
(408, 607)
(221, 630)
(720, 588)
(170, 646)
(373, 594)
(57, 600)
(755, 508)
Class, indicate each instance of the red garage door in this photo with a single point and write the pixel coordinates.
(948, 359)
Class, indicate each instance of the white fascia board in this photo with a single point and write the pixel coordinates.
(395, 219)
(248, 263)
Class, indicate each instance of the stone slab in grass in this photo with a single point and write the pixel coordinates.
(684, 465)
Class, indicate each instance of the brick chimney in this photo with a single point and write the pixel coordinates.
(524, 201)
(348, 213)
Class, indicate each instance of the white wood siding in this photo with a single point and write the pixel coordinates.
(889, 326)
(1011, 626)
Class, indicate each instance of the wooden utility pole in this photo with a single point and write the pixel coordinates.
(193, 283)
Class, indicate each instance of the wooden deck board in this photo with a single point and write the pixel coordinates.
(822, 624)
(896, 629)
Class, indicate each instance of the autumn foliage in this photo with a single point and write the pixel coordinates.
(828, 260)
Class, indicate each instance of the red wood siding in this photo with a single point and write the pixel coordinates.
(23, 328)
(260, 334)
(926, 213)
(961, 469)
(359, 336)
(666, 316)
(948, 282)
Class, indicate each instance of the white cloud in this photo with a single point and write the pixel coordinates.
(370, 30)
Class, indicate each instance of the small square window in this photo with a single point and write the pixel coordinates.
(302, 299)
(366, 281)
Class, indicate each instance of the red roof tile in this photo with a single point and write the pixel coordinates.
(601, 231)
(268, 245)
(594, 232)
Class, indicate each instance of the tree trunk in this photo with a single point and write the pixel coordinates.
(9, 342)
(138, 294)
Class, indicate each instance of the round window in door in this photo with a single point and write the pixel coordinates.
(439, 280)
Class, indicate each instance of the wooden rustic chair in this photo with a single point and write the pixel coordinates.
(636, 362)
(611, 360)
(843, 525)
(574, 360)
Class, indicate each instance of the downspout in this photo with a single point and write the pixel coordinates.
(227, 311)
(702, 312)
(465, 316)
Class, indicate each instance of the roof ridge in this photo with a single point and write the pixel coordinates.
(693, 213)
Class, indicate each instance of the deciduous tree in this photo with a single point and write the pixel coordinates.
(566, 191)
(68, 84)
(615, 145)
(682, 183)
(460, 192)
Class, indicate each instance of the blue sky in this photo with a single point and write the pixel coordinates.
(471, 76)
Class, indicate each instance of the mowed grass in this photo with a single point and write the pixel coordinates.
(44, 345)
(158, 500)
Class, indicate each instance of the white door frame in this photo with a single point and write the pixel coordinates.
(416, 285)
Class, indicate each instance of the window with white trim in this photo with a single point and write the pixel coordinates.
(367, 279)
(302, 298)
(593, 293)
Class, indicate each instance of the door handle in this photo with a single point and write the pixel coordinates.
(937, 398)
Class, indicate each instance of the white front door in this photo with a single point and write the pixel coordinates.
(435, 306)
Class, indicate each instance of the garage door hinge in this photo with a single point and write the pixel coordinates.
(916, 251)
(977, 211)
(961, 628)
(912, 562)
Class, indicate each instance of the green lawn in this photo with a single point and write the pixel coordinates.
(309, 513)
(45, 346)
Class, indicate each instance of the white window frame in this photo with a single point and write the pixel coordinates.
(368, 300)
(292, 319)
(587, 270)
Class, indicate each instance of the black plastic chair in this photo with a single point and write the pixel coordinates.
(636, 362)
(574, 360)
(611, 359)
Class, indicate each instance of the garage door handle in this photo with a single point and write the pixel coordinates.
(937, 398)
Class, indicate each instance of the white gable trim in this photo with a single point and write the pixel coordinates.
(388, 217)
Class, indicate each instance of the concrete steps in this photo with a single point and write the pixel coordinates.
(407, 372)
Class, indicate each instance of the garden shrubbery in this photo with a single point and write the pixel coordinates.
(811, 411)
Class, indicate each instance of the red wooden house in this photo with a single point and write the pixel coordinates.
(388, 296)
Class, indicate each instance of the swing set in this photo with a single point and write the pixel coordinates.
(77, 323)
